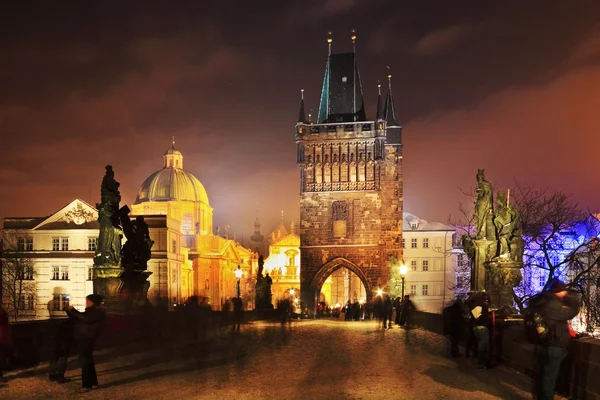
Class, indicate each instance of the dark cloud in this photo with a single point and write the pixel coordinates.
(83, 85)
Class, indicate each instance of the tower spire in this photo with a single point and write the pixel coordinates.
(379, 108)
(390, 111)
(302, 114)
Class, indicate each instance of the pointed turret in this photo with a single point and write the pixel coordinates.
(390, 111)
(302, 116)
(341, 93)
(379, 107)
(394, 129)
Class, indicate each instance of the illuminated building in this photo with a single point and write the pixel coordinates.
(350, 184)
(187, 258)
(428, 255)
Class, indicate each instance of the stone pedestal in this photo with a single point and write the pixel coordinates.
(483, 249)
(121, 289)
(502, 275)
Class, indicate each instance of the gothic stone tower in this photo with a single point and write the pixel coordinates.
(350, 184)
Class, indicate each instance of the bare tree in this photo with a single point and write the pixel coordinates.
(560, 243)
(464, 223)
(19, 289)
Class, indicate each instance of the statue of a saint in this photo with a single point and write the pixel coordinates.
(108, 250)
(483, 205)
(137, 250)
(505, 221)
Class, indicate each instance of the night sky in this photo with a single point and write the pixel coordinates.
(512, 87)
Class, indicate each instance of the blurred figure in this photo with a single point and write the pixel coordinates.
(558, 305)
(238, 313)
(5, 343)
(225, 312)
(192, 314)
(62, 347)
(388, 310)
(87, 327)
(398, 308)
(454, 325)
(406, 313)
(481, 330)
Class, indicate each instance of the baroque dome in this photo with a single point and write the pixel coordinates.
(172, 183)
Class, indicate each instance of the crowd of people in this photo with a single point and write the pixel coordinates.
(77, 334)
(553, 309)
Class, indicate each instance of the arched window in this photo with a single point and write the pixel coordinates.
(352, 172)
(327, 173)
(370, 171)
(318, 174)
(335, 172)
(344, 172)
(361, 172)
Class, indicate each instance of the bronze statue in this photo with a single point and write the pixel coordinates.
(108, 251)
(483, 205)
(137, 249)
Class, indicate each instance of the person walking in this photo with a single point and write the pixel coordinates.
(480, 314)
(387, 312)
(5, 343)
(87, 327)
(238, 311)
(62, 347)
(406, 312)
(453, 325)
(557, 306)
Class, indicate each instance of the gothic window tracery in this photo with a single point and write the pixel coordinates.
(327, 173)
(339, 218)
(352, 172)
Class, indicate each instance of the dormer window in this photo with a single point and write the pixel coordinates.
(414, 224)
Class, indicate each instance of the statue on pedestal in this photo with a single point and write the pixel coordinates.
(483, 206)
(497, 250)
(263, 288)
(137, 249)
(108, 249)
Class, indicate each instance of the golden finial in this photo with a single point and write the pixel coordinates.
(329, 39)
(302, 93)
(353, 37)
(379, 88)
(173, 142)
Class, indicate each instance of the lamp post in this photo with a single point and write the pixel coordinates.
(238, 275)
(403, 271)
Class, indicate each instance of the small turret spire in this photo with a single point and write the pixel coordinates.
(302, 114)
(329, 40)
(173, 145)
(379, 108)
(390, 112)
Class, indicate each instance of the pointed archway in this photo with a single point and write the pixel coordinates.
(311, 289)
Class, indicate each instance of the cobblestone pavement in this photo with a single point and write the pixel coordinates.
(307, 360)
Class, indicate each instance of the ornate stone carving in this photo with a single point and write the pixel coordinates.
(79, 215)
(340, 210)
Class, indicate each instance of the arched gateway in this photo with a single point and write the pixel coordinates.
(350, 184)
(313, 288)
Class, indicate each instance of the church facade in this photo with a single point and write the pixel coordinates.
(350, 184)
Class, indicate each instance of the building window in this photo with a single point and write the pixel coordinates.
(174, 246)
(413, 265)
(26, 302)
(425, 290)
(64, 242)
(413, 243)
(27, 273)
(542, 279)
(413, 290)
(403, 243)
(55, 244)
(460, 260)
(92, 243)
(425, 243)
(25, 244)
(90, 274)
(425, 265)
(55, 273)
(60, 302)
(340, 218)
(64, 273)
(187, 222)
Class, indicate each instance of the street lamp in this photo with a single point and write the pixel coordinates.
(403, 271)
(292, 291)
(238, 274)
(379, 292)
